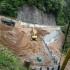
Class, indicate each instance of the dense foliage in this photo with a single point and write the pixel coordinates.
(57, 7)
(67, 46)
(8, 61)
(66, 31)
(10, 7)
(67, 10)
(51, 6)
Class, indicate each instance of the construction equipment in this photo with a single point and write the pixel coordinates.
(65, 60)
(8, 22)
(33, 35)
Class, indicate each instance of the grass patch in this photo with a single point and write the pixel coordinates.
(9, 61)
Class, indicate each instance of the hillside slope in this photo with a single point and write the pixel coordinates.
(33, 15)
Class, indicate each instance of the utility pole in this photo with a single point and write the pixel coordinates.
(65, 60)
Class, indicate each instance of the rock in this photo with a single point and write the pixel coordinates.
(31, 14)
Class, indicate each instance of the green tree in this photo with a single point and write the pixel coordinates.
(9, 61)
(10, 7)
(67, 10)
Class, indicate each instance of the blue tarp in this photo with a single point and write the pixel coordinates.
(49, 37)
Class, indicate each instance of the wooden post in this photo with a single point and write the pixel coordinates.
(65, 60)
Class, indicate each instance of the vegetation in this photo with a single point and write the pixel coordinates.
(10, 7)
(64, 29)
(9, 61)
(67, 42)
(67, 45)
(57, 7)
(67, 10)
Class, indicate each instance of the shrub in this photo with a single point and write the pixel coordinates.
(9, 61)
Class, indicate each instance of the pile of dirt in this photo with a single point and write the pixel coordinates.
(11, 39)
(4, 27)
(41, 32)
(18, 41)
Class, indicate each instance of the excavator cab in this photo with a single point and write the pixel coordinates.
(34, 37)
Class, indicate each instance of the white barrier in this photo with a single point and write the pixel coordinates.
(48, 28)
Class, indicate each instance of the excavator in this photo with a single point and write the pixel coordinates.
(33, 34)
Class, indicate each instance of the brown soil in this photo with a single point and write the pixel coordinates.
(18, 40)
(41, 32)
(56, 46)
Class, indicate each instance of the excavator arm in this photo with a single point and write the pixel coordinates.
(34, 32)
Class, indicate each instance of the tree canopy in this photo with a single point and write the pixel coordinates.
(9, 61)
(57, 7)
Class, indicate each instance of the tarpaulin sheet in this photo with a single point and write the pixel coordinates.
(51, 36)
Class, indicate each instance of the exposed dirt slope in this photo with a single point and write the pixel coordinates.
(18, 40)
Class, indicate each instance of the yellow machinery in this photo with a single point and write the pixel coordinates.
(65, 60)
(34, 32)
